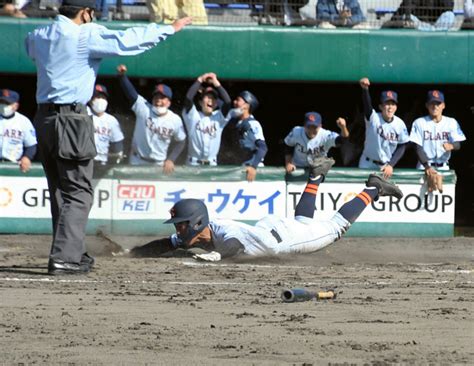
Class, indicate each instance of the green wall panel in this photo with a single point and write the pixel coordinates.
(281, 53)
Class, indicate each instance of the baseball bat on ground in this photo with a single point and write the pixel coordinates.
(302, 294)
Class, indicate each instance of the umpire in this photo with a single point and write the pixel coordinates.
(67, 54)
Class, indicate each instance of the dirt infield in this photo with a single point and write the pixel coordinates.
(399, 301)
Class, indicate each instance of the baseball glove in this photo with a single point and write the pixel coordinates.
(434, 181)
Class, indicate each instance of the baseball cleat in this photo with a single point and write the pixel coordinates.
(320, 166)
(384, 187)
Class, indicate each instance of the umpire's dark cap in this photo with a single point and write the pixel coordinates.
(312, 119)
(250, 99)
(100, 89)
(435, 96)
(388, 95)
(164, 90)
(9, 96)
(80, 3)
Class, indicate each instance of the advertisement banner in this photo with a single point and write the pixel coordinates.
(230, 200)
(135, 200)
(416, 206)
(29, 198)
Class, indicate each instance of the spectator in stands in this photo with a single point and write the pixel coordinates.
(205, 120)
(156, 126)
(426, 15)
(339, 13)
(102, 7)
(30, 8)
(17, 135)
(167, 11)
(468, 15)
(243, 140)
(13, 9)
(108, 135)
(311, 141)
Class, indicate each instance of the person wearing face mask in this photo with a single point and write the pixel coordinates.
(386, 135)
(108, 135)
(310, 141)
(205, 120)
(156, 126)
(243, 138)
(435, 136)
(17, 135)
(67, 54)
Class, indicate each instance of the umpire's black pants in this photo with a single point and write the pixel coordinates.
(69, 183)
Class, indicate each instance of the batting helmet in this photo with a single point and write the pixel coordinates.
(192, 211)
(250, 99)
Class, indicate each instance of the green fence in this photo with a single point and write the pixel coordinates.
(282, 53)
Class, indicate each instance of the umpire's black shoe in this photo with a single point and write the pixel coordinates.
(87, 259)
(59, 267)
(320, 166)
(384, 187)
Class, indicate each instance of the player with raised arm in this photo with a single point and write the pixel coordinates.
(205, 120)
(271, 235)
(156, 126)
(311, 139)
(386, 135)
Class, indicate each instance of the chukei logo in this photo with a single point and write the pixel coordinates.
(136, 198)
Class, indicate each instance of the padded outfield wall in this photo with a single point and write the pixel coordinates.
(282, 53)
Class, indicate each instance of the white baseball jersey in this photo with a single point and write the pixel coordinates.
(381, 139)
(153, 134)
(106, 130)
(299, 235)
(432, 135)
(317, 146)
(204, 135)
(15, 133)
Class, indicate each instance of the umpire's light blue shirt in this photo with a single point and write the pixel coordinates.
(68, 55)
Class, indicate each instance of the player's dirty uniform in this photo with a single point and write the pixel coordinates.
(275, 235)
(271, 235)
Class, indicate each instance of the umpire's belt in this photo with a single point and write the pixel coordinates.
(276, 235)
(52, 107)
(374, 161)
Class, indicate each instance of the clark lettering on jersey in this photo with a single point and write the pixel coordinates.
(210, 130)
(159, 130)
(389, 135)
(444, 136)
